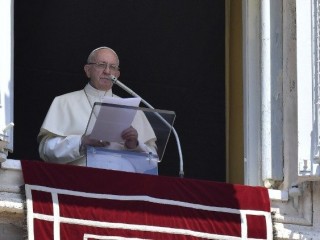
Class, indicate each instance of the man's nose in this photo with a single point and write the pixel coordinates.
(107, 69)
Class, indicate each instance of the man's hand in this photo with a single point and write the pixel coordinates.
(130, 137)
(87, 141)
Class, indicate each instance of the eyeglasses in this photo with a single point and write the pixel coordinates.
(103, 66)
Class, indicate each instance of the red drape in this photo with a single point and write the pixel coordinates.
(72, 202)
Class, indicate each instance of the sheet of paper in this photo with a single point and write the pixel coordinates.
(112, 120)
(133, 102)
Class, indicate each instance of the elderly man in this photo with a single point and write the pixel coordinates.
(61, 138)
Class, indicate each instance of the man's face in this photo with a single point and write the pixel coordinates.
(103, 64)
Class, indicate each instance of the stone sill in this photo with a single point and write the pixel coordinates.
(11, 196)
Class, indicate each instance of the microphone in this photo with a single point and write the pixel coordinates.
(131, 92)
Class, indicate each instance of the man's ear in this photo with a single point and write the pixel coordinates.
(86, 69)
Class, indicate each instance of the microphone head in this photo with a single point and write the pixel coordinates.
(113, 79)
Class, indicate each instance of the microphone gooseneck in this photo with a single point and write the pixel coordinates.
(131, 92)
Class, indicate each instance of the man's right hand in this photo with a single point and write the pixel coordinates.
(87, 141)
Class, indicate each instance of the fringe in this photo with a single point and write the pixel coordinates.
(274, 230)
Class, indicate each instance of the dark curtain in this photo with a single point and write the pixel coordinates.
(171, 53)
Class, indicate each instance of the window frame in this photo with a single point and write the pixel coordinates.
(6, 70)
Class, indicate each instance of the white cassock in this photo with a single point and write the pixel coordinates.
(66, 121)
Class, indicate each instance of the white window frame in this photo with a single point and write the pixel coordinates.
(306, 94)
(299, 160)
(6, 69)
(262, 109)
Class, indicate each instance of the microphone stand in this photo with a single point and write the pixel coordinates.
(131, 92)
